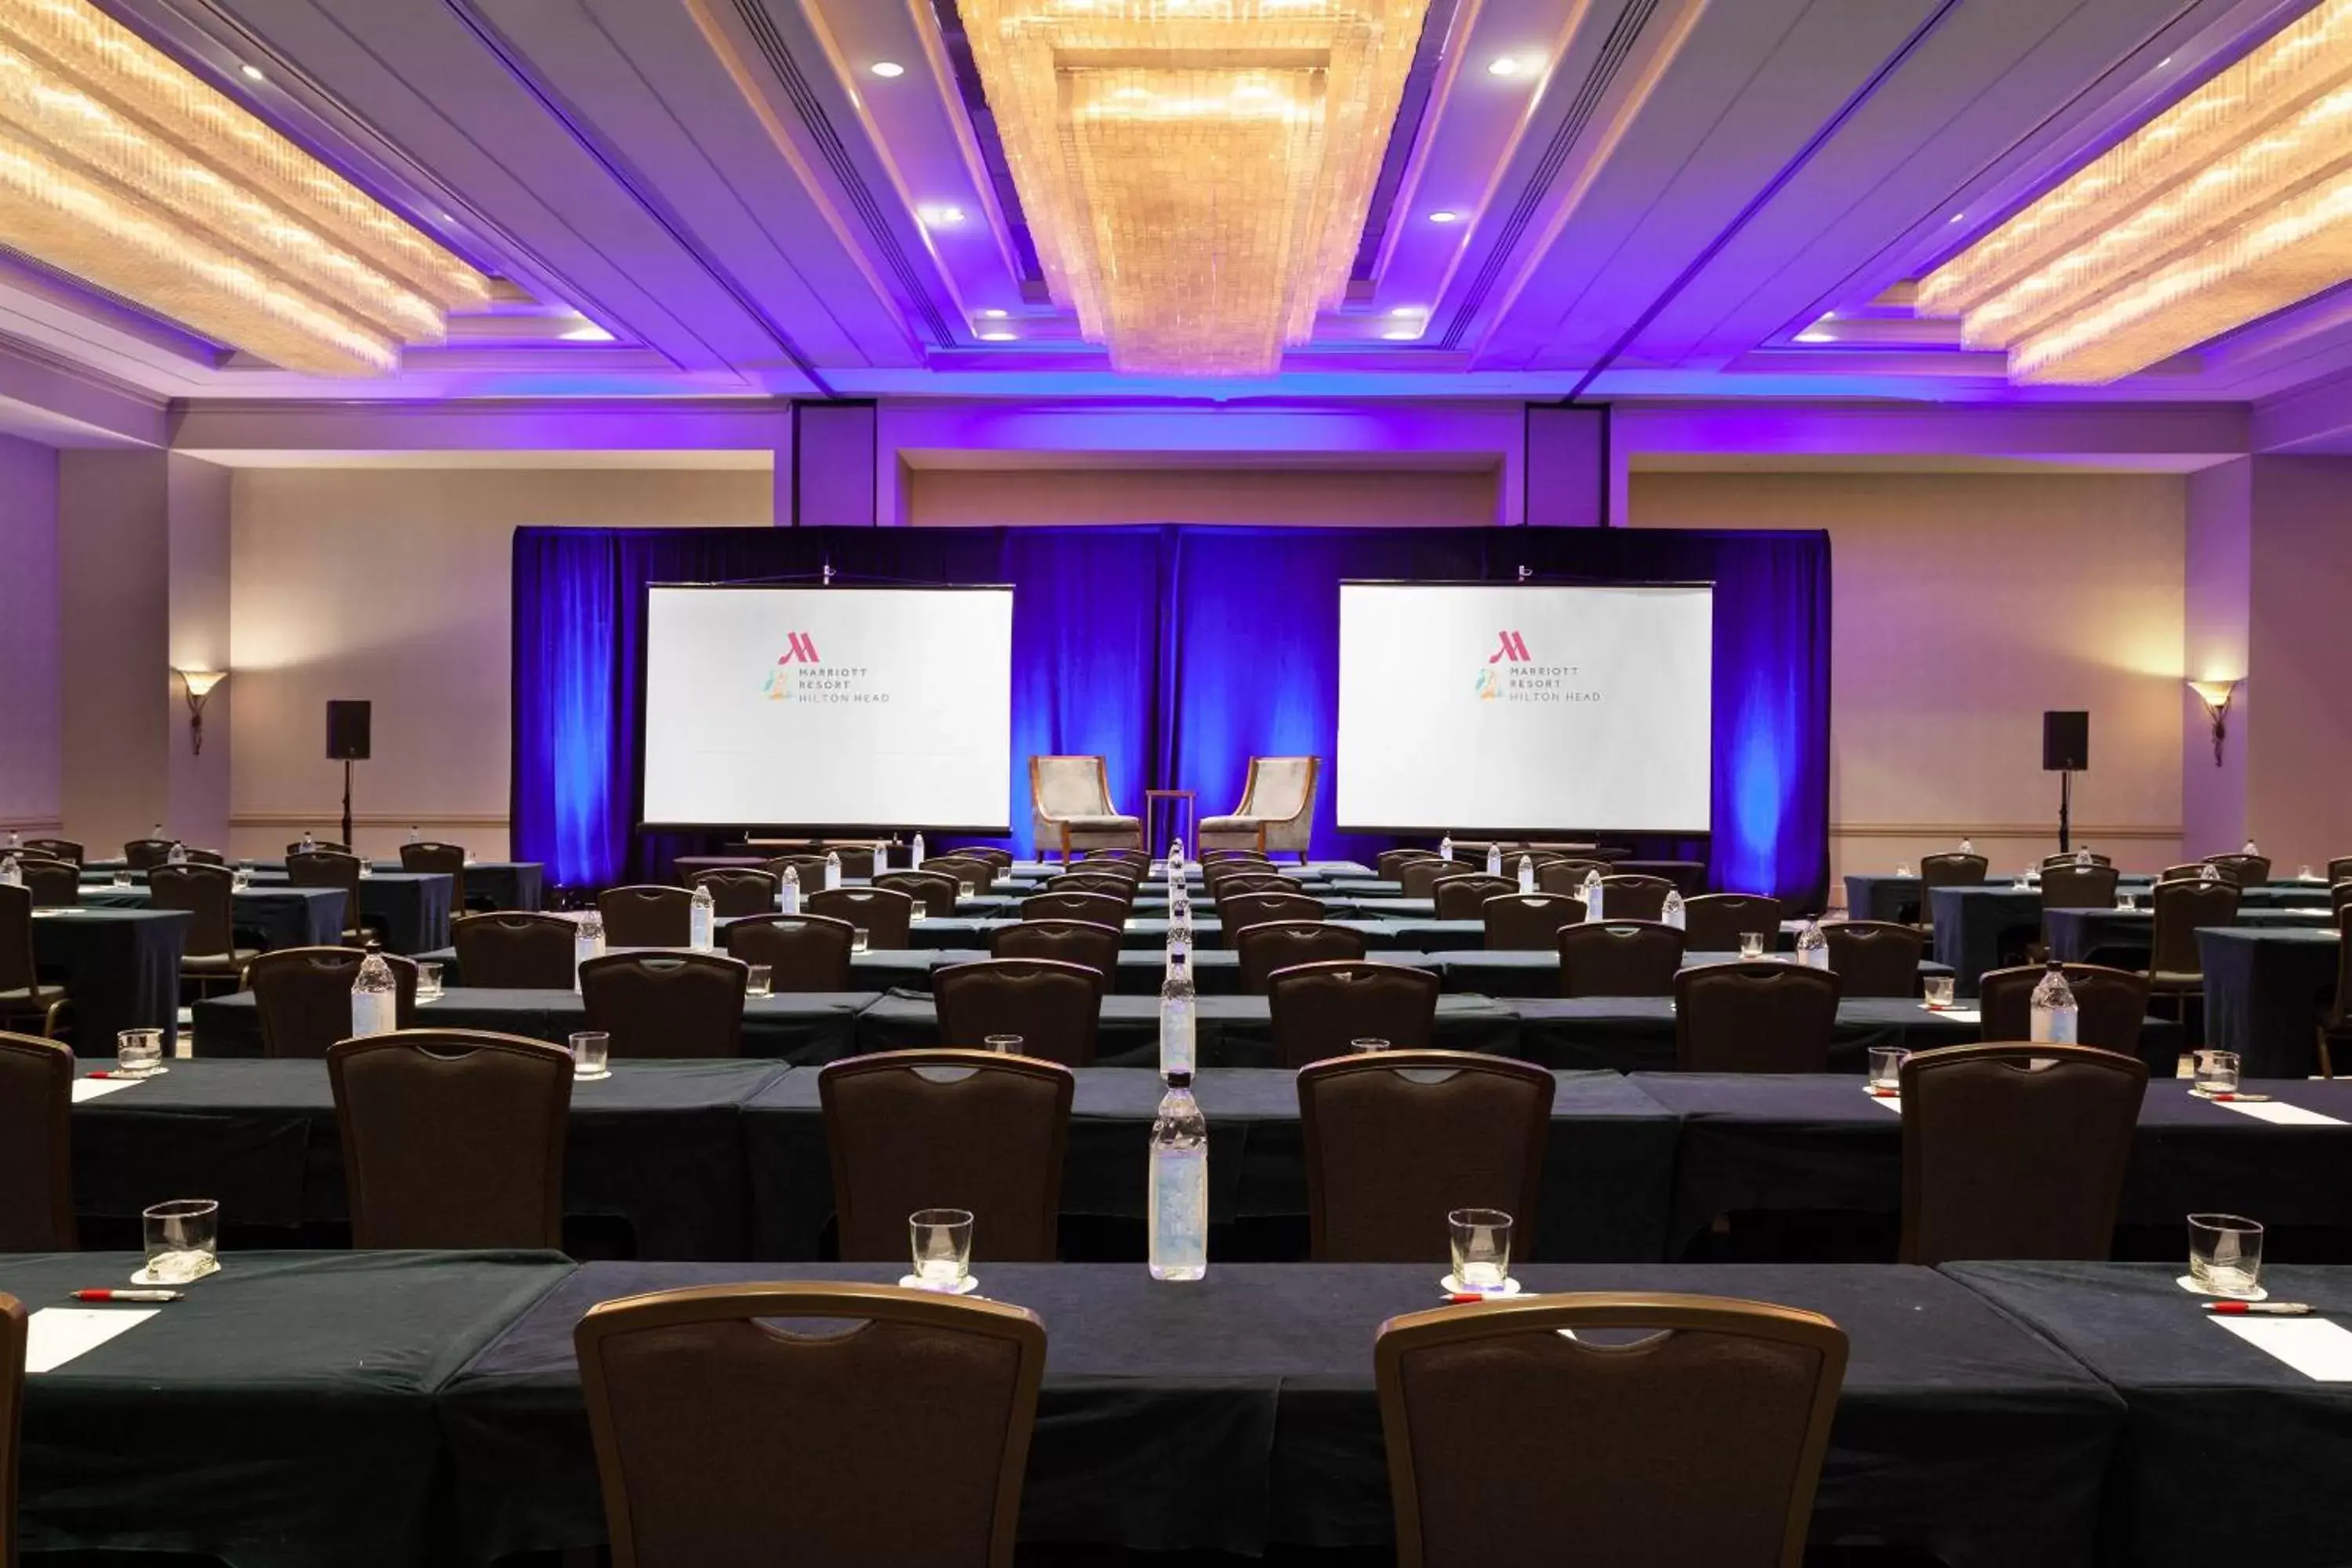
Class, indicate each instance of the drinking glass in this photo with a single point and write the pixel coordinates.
(2126, 900)
(2225, 1254)
(182, 1240)
(121, 880)
(428, 981)
(964, 889)
(239, 880)
(1482, 1247)
(1903, 870)
(941, 1241)
(139, 1053)
(367, 867)
(2216, 1072)
(1886, 1068)
(590, 1052)
(1751, 945)
(760, 982)
(1938, 988)
(859, 938)
(1368, 1043)
(2302, 874)
(1004, 1045)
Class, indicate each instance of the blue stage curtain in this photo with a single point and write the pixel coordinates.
(1175, 652)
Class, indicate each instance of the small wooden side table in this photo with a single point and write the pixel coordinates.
(1182, 801)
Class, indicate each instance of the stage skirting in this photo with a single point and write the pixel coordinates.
(1176, 652)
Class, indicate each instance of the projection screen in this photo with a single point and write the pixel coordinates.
(1525, 709)
(837, 707)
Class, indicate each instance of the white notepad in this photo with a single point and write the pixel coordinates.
(2275, 1110)
(1959, 1014)
(91, 1088)
(55, 1335)
(2317, 1347)
(1892, 1102)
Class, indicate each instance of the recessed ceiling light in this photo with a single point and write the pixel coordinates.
(995, 315)
(588, 333)
(888, 70)
(1409, 311)
(1403, 335)
(1815, 335)
(940, 216)
(2164, 62)
(1957, 218)
(1444, 215)
(250, 73)
(997, 337)
(1505, 65)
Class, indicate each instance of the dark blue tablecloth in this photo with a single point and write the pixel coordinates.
(1974, 925)
(274, 914)
(1636, 1033)
(120, 967)
(2121, 937)
(1536, 973)
(2265, 989)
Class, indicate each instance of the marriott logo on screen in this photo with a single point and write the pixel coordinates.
(1515, 648)
(1511, 675)
(815, 681)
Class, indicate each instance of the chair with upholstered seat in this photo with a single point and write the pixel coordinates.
(2175, 963)
(2111, 1004)
(1316, 1009)
(146, 854)
(962, 868)
(1054, 1007)
(1071, 806)
(2335, 1023)
(1236, 883)
(1462, 897)
(1389, 864)
(1952, 868)
(36, 1210)
(54, 884)
(1875, 958)
(317, 845)
(946, 1128)
(331, 868)
(665, 1005)
(303, 997)
(55, 849)
(1277, 810)
(1397, 1140)
(16, 1334)
(999, 858)
(515, 950)
(2252, 870)
(452, 1139)
(2070, 857)
(1619, 958)
(2073, 887)
(647, 915)
(1634, 897)
(1755, 1017)
(803, 953)
(2339, 869)
(934, 892)
(884, 914)
(1714, 922)
(750, 1425)
(1243, 910)
(210, 959)
(1127, 862)
(736, 890)
(2194, 871)
(1566, 875)
(1700, 1443)
(1094, 909)
(1261, 950)
(432, 857)
(1123, 889)
(25, 1002)
(2016, 1151)
(1066, 941)
(809, 869)
(1528, 923)
(1415, 878)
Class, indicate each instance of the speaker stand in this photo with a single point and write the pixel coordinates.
(2065, 810)
(347, 810)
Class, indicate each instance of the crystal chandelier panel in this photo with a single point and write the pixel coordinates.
(1197, 172)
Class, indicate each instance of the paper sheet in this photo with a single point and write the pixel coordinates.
(2319, 1349)
(91, 1088)
(2276, 1111)
(1892, 1102)
(55, 1335)
(1960, 1015)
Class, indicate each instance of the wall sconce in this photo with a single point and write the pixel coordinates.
(2216, 695)
(200, 684)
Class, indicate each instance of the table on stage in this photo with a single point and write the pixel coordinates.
(120, 968)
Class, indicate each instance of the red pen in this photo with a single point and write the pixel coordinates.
(2260, 1309)
(1464, 1297)
(129, 1295)
(2232, 1099)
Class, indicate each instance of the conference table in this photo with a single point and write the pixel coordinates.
(120, 968)
(1973, 925)
(1238, 1412)
(1228, 1031)
(2266, 989)
(659, 1145)
(278, 916)
(1636, 1033)
(1871, 896)
(411, 908)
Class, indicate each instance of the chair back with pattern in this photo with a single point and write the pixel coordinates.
(205, 893)
(1755, 1017)
(2174, 958)
(303, 995)
(946, 1128)
(1064, 941)
(36, 1210)
(1876, 958)
(665, 1005)
(1714, 922)
(934, 892)
(1261, 950)
(884, 914)
(1631, 897)
(434, 859)
(1094, 909)
(2111, 1004)
(1528, 923)
(736, 890)
(647, 915)
(1316, 1009)
(514, 949)
(730, 1434)
(1619, 958)
(1243, 910)
(2073, 887)
(1054, 1007)
(2016, 1151)
(803, 953)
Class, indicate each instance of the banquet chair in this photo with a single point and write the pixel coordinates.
(1875, 958)
(1235, 882)
(54, 884)
(935, 891)
(329, 846)
(2176, 965)
(1070, 805)
(961, 868)
(2339, 896)
(452, 1139)
(1261, 950)
(1277, 809)
(1700, 1443)
(329, 869)
(1417, 877)
(2072, 887)
(2339, 869)
(1754, 1017)
(1209, 858)
(14, 1333)
(1245, 909)
(2336, 1024)
(2112, 1004)
(1316, 1009)
(1389, 864)
(431, 857)
(37, 1211)
(202, 857)
(884, 914)
(1619, 958)
(303, 997)
(999, 858)
(1462, 897)
(810, 867)
(2252, 870)
(1567, 875)
(1632, 897)
(55, 849)
(23, 1000)
(145, 854)
(1056, 1007)
(803, 953)
(1949, 870)
(1397, 1140)
(2052, 862)
(2016, 1151)
(948, 1129)
(736, 890)
(1102, 882)
(1094, 909)
(856, 860)
(1066, 941)
(665, 1005)
(210, 957)
(2194, 871)
(514, 949)
(729, 1432)
(647, 914)
(1528, 923)
(1714, 922)
(1119, 854)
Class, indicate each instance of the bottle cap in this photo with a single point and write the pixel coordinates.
(1180, 1080)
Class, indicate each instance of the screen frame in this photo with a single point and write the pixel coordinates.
(845, 830)
(1548, 830)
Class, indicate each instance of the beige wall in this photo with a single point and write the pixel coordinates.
(392, 586)
(1965, 606)
(30, 770)
(1312, 497)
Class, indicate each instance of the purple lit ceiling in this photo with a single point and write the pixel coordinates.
(723, 197)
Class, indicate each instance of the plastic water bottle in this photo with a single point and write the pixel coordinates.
(917, 851)
(702, 920)
(2054, 1012)
(177, 855)
(1178, 1219)
(2083, 857)
(1176, 1034)
(2212, 873)
(1176, 862)
(1180, 921)
(587, 943)
(832, 869)
(788, 891)
(1446, 847)
(305, 847)
(1494, 859)
(1671, 911)
(11, 874)
(2250, 848)
(1592, 895)
(1967, 846)
(1526, 873)
(376, 996)
(1812, 947)
(414, 836)
(15, 841)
